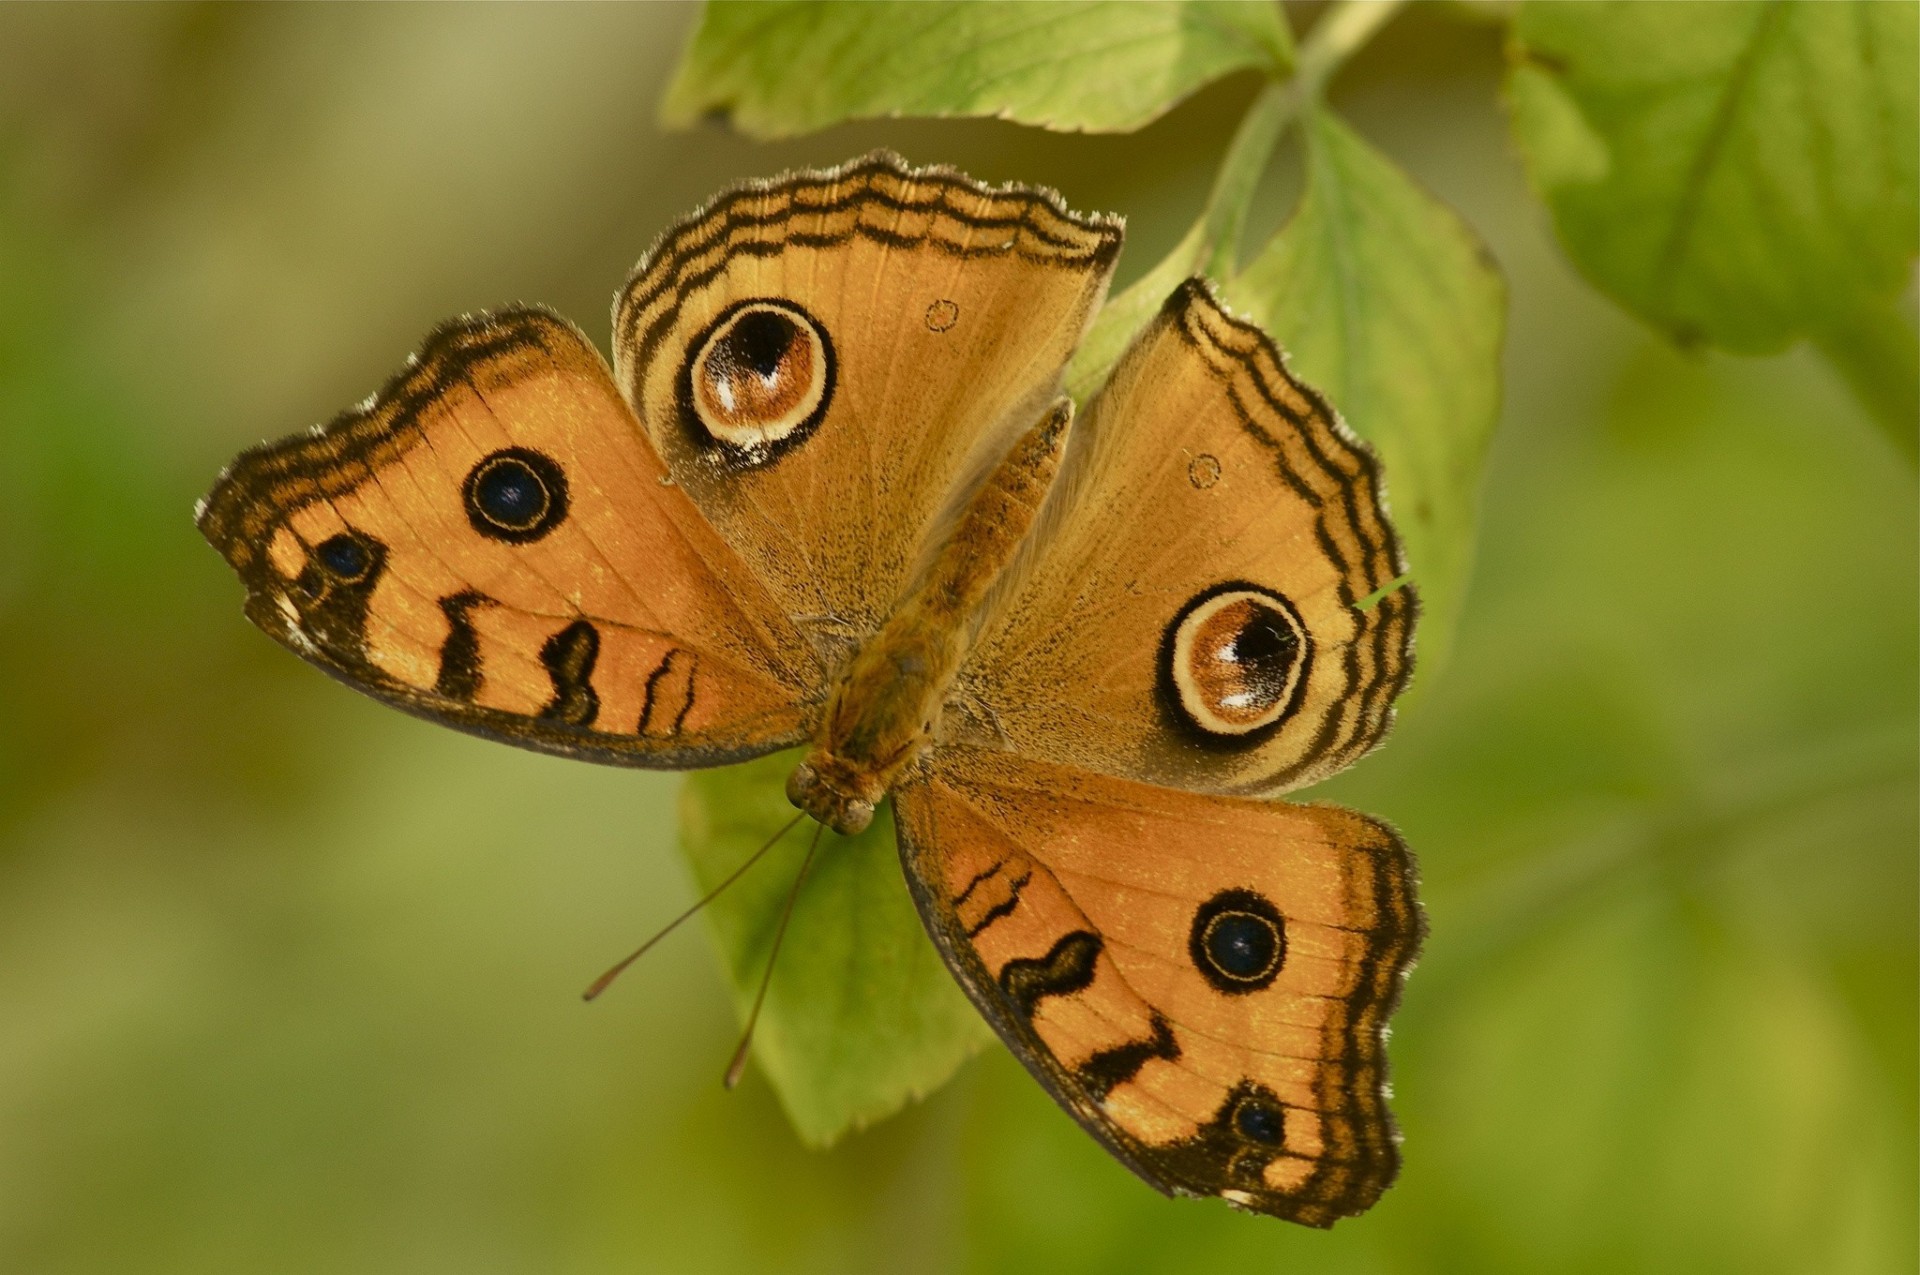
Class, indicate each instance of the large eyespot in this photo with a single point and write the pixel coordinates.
(757, 381)
(1238, 941)
(516, 495)
(1233, 664)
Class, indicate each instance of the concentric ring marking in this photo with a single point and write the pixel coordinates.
(757, 381)
(516, 494)
(1238, 941)
(1233, 664)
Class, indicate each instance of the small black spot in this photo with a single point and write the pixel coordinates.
(1238, 941)
(517, 495)
(1259, 1120)
(344, 557)
(1232, 1149)
(334, 590)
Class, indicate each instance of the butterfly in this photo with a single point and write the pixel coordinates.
(829, 494)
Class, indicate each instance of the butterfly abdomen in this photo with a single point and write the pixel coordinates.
(885, 705)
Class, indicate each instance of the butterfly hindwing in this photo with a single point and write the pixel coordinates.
(827, 359)
(491, 542)
(1195, 608)
(1201, 981)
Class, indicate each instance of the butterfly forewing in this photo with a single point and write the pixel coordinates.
(825, 361)
(1201, 981)
(491, 542)
(1190, 612)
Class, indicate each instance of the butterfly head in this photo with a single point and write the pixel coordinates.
(834, 792)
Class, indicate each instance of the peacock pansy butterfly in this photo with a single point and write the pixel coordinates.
(829, 494)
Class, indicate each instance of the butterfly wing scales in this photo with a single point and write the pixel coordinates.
(1202, 466)
(621, 629)
(1075, 908)
(950, 308)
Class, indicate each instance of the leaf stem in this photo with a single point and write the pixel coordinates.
(1343, 31)
(1215, 240)
(1213, 245)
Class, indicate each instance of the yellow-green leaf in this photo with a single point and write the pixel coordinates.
(777, 68)
(1742, 173)
(862, 1016)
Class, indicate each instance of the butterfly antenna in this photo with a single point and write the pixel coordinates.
(605, 980)
(738, 1066)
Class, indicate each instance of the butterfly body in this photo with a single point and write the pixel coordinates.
(828, 495)
(886, 705)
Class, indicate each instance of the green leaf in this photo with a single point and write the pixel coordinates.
(780, 69)
(1387, 303)
(1740, 173)
(862, 1016)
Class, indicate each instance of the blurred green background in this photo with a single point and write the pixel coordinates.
(288, 982)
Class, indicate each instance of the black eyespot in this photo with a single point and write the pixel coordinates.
(1238, 941)
(344, 557)
(333, 590)
(516, 495)
(1259, 1120)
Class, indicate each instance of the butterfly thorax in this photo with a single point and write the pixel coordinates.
(883, 708)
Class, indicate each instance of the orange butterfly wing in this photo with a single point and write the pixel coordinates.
(490, 542)
(1188, 612)
(924, 318)
(1203, 982)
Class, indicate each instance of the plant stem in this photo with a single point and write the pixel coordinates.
(1340, 33)
(1214, 242)
(1212, 245)
(1216, 249)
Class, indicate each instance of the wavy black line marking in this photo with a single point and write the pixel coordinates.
(677, 664)
(979, 878)
(674, 266)
(1066, 969)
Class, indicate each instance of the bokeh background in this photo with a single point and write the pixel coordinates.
(288, 981)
